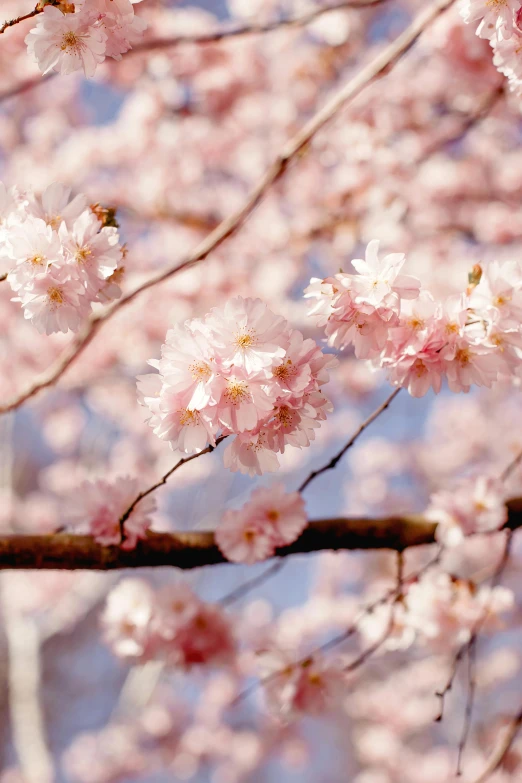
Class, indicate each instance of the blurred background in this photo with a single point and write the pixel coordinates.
(427, 160)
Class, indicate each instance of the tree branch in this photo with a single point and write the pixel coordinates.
(18, 19)
(333, 462)
(196, 549)
(293, 150)
(253, 28)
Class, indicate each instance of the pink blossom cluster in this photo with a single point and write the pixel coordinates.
(65, 259)
(476, 505)
(98, 506)
(80, 35)
(439, 611)
(499, 21)
(243, 371)
(170, 624)
(271, 518)
(471, 339)
(313, 686)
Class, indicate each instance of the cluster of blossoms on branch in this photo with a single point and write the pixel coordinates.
(72, 36)
(170, 624)
(243, 371)
(475, 505)
(499, 21)
(439, 611)
(66, 255)
(271, 518)
(474, 338)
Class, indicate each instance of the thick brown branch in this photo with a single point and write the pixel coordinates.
(292, 151)
(197, 549)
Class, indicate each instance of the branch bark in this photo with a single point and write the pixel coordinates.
(196, 549)
(293, 150)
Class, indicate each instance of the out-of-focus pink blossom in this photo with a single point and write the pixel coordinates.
(477, 505)
(99, 506)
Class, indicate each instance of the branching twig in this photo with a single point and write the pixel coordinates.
(253, 28)
(163, 480)
(469, 649)
(292, 151)
(333, 462)
(239, 592)
(470, 700)
(18, 19)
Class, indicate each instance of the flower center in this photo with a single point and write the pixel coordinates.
(245, 339)
(200, 371)
(284, 416)
(284, 371)
(188, 418)
(82, 254)
(70, 41)
(55, 296)
(462, 356)
(236, 391)
(416, 323)
(272, 515)
(54, 221)
(37, 260)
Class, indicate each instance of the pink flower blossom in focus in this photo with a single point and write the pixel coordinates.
(66, 42)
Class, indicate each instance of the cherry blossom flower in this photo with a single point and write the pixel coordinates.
(496, 19)
(379, 283)
(444, 610)
(55, 301)
(95, 250)
(55, 206)
(243, 538)
(247, 334)
(100, 505)
(172, 625)
(475, 506)
(127, 618)
(251, 453)
(264, 389)
(33, 245)
(66, 42)
(312, 687)
(271, 518)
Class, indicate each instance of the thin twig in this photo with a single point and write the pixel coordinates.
(239, 592)
(292, 151)
(27, 84)
(470, 700)
(508, 470)
(333, 462)
(163, 480)
(237, 31)
(18, 19)
(469, 649)
(340, 638)
(470, 121)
